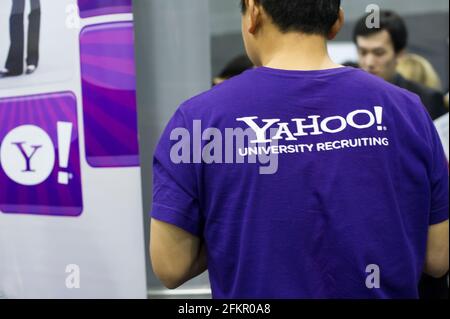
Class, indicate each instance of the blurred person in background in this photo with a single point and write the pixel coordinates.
(236, 66)
(380, 50)
(415, 68)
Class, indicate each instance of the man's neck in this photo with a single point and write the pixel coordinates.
(294, 51)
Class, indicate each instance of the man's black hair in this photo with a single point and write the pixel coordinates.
(389, 21)
(306, 16)
(236, 66)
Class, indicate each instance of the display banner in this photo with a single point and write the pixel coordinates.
(442, 125)
(71, 219)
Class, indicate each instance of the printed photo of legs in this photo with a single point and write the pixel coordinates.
(14, 65)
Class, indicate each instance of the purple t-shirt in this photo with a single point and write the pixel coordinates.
(349, 176)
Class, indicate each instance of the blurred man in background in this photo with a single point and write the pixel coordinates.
(379, 52)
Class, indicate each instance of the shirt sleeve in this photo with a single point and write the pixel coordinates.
(175, 199)
(439, 180)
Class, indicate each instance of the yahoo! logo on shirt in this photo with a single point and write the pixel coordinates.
(314, 125)
(260, 143)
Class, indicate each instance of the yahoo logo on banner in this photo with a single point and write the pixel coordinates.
(91, 8)
(39, 156)
(27, 154)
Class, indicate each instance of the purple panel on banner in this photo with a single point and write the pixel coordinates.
(91, 8)
(40, 156)
(109, 95)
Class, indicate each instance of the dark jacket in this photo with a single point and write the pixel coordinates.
(433, 100)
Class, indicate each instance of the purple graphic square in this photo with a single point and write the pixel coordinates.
(91, 8)
(46, 112)
(109, 95)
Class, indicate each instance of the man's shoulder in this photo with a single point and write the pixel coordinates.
(375, 83)
(398, 94)
(229, 92)
(424, 92)
(420, 89)
(242, 89)
(432, 99)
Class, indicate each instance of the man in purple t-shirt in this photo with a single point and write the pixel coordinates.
(300, 178)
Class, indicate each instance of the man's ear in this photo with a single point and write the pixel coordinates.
(254, 16)
(337, 25)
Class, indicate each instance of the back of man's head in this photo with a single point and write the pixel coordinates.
(305, 16)
(389, 21)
